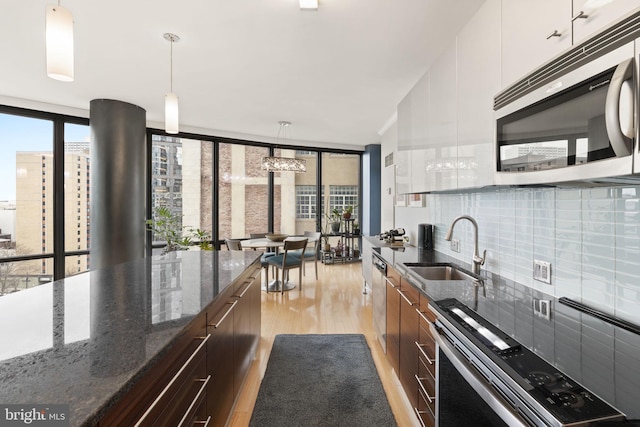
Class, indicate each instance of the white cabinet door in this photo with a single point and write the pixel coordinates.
(442, 124)
(527, 40)
(403, 171)
(478, 81)
(598, 18)
(420, 116)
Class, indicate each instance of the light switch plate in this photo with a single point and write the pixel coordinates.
(455, 245)
(542, 271)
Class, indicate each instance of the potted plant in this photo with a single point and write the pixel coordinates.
(346, 213)
(202, 238)
(167, 226)
(334, 220)
(356, 228)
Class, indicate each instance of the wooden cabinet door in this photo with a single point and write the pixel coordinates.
(409, 321)
(246, 333)
(478, 71)
(527, 41)
(598, 18)
(393, 320)
(220, 358)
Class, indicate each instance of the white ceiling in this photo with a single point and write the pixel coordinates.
(241, 65)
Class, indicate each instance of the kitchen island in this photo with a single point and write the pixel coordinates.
(597, 354)
(91, 340)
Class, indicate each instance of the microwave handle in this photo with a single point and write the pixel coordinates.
(620, 142)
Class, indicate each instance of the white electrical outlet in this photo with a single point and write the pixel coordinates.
(542, 308)
(455, 245)
(542, 271)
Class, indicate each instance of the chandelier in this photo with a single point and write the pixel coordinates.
(283, 164)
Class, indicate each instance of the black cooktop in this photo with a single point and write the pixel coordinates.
(560, 395)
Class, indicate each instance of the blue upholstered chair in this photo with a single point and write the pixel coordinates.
(310, 254)
(285, 261)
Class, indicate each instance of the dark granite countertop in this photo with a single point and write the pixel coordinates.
(602, 357)
(84, 340)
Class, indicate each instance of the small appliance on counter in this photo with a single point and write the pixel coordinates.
(394, 237)
(425, 237)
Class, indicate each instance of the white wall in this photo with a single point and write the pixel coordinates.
(387, 185)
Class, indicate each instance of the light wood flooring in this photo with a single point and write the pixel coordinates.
(332, 304)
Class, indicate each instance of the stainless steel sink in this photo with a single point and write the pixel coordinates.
(440, 272)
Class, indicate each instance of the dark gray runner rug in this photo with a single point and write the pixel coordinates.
(321, 380)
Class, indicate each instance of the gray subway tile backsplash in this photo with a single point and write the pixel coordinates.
(591, 237)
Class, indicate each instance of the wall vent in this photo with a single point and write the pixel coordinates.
(388, 160)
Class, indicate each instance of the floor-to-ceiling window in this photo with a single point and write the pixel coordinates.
(243, 191)
(341, 182)
(76, 197)
(181, 181)
(26, 201)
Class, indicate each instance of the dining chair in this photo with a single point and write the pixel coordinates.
(310, 253)
(286, 261)
(233, 244)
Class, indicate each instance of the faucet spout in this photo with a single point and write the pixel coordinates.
(477, 259)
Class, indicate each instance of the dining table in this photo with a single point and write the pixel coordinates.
(266, 244)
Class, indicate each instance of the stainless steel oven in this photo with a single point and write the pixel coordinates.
(515, 385)
(579, 127)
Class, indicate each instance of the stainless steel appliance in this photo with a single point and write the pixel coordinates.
(580, 126)
(379, 299)
(517, 384)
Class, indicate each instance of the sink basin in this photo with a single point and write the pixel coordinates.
(440, 272)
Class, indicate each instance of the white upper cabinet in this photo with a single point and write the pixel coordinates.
(412, 137)
(440, 158)
(478, 71)
(597, 18)
(532, 33)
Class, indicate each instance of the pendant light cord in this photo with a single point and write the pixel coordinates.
(171, 67)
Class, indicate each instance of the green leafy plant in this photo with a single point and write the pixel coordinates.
(203, 238)
(167, 226)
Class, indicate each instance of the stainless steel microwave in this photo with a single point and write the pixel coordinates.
(582, 126)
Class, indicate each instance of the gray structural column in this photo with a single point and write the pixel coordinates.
(118, 174)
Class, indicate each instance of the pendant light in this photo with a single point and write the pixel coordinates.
(59, 43)
(283, 164)
(171, 113)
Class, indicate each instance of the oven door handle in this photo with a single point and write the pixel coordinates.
(484, 389)
(621, 139)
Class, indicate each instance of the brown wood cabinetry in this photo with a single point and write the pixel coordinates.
(402, 331)
(234, 325)
(408, 336)
(411, 349)
(198, 379)
(173, 392)
(393, 319)
(427, 373)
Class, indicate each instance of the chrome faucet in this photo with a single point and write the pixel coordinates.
(477, 259)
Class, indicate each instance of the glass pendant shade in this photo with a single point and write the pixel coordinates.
(171, 119)
(309, 4)
(59, 43)
(283, 164)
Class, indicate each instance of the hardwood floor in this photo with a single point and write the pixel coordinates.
(332, 304)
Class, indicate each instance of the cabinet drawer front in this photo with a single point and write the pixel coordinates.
(177, 398)
(425, 311)
(426, 409)
(426, 387)
(393, 276)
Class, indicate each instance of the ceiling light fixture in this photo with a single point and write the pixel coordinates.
(283, 164)
(171, 113)
(59, 43)
(309, 4)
